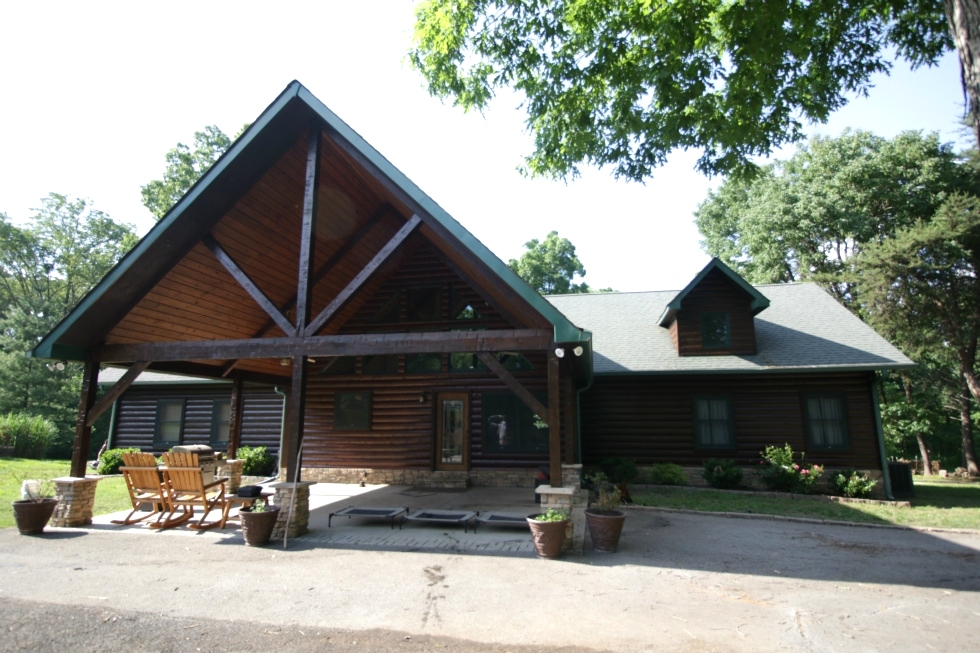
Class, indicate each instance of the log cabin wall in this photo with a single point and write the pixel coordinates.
(136, 416)
(716, 293)
(651, 418)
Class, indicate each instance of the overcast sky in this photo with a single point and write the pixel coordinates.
(96, 93)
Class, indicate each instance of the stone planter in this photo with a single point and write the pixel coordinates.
(33, 516)
(548, 536)
(605, 527)
(257, 527)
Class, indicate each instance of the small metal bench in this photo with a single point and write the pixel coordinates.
(370, 513)
(507, 520)
(443, 517)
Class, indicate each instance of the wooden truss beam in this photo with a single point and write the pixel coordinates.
(516, 386)
(250, 286)
(362, 276)
(442, 342)
(113, 393)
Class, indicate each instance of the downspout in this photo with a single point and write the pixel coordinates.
(112, 425)
(885, 476)
(578, 396)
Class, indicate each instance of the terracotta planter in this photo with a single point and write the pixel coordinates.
(33, 516)
(548, 536)
(257, 527)
(605, 528)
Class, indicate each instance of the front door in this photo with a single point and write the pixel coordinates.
(452, 431)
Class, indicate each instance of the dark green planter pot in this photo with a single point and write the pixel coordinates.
(33, 516)
(257, 527)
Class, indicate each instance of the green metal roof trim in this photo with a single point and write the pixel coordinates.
(759, 301)
(564, 330)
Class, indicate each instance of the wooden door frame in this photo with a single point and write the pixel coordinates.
(441, 396)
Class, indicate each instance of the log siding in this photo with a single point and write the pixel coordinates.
(651, 418)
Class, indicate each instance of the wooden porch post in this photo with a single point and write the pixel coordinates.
(83, 430)
(235, 419)
(554, 417)
(304, 296)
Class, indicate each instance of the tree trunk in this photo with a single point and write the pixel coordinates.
(964, 25)
(966, 429)
(919, 437)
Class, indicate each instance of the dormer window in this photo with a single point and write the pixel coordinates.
(716, 331)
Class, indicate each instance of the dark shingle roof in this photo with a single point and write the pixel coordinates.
(804, 328)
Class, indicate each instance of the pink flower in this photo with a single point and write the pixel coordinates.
(805, 471)
(796, 466)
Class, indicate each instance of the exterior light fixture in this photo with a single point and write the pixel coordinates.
(559, 352)
(578, 350)
(284, 362)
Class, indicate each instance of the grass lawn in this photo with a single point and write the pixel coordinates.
(110, 493)
(937, 503)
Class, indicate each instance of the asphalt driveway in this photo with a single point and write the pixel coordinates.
(680, 582)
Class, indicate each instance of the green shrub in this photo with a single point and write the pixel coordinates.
(29, 435)
(257, 461)
(667, 474)
(111, 460)
(722, 473)
(781, 473)
(852, 483)
(619, 469)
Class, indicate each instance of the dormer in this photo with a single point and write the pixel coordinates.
(714, 315)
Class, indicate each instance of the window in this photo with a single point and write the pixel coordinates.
(826, 422)
(169, 422)
(380, 364)
(352, 411)
(220, 423)
(423, 305)
(510, 426)
(715, 331)
(465, 362)
(423, 363)
(713, 424)
(340, 365)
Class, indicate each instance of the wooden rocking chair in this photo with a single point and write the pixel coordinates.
(186, 489)
(145, 486)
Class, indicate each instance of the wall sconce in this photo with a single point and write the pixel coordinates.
(284, 362)
(423, 397)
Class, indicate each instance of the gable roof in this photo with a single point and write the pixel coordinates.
(805, 329)
(203, 206)
(758, 302)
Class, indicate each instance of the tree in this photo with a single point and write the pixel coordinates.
(624, 82)
(551, 266)
(920, 287)
(184, 168)
(46, 267)
(805, 218)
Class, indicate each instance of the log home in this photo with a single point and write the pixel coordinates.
(411, 354)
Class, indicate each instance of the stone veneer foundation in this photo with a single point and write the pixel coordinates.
(752, 480)
(299, 521)
(76, 499)
(422, 477)
(572, 499)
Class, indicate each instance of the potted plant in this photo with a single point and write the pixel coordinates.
(603, 516)
(620, 471)
(258, 522)
(35, 507)
(548, 532)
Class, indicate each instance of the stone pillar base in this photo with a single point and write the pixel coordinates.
(299, 521)
(232, 468)
(76, 499)
(572, 499)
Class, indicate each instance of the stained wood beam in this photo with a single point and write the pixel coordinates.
(441, 342)
(554, 425)
(83, 432)
(362, 276)
(304, 287)
(324, 271)
(516, 386)
(235, 418)
(105, 401)
(295, 422)
(250, 287)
